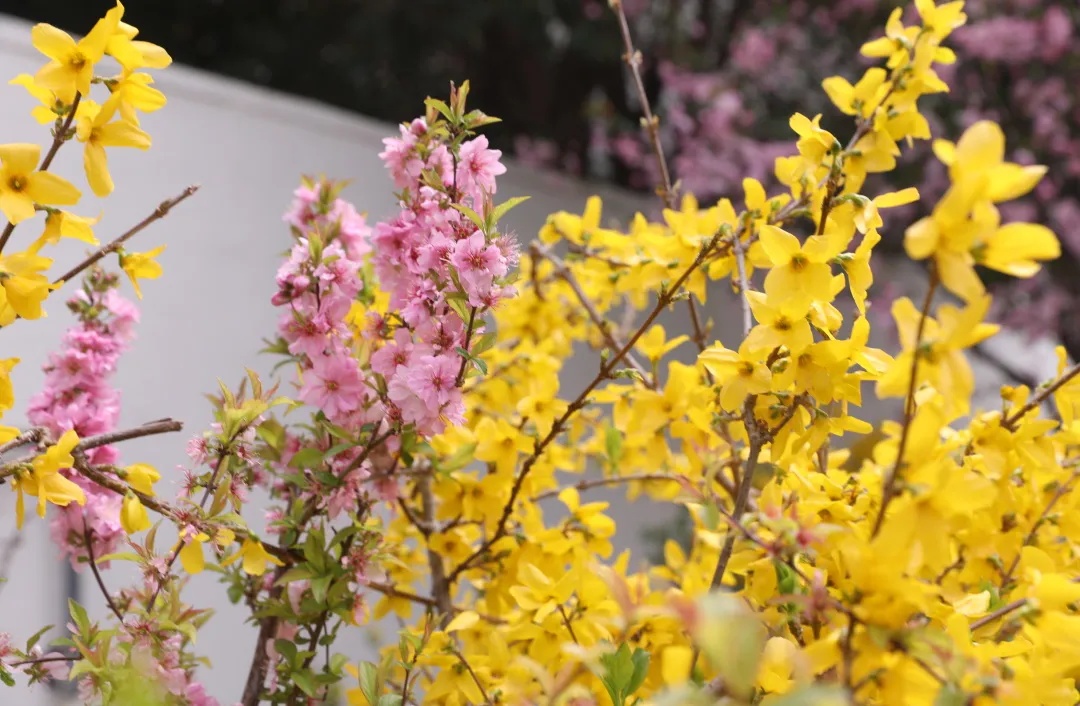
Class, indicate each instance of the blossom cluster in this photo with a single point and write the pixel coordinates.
(78, 396)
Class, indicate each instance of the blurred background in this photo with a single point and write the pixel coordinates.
(724, 75)
(266, 90)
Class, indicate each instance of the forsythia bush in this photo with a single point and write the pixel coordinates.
(420, 423)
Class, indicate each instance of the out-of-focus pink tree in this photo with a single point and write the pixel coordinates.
(724, 74)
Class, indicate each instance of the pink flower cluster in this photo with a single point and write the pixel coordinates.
(425, 257)
(77, 395)
(429, 254)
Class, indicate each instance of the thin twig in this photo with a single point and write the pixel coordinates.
(475, 678)
(999, 613)
(649, 122)
(88, 540)
(160, 212)
(611, 480)
(162, 426)
(891, 481)
(742, 497)
(663, 301)
(1035, 402)
(601, 323)
(1061, 491)
(744, 286)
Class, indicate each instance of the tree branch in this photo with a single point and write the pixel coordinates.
(160, 212)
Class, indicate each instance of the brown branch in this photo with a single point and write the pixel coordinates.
(468, 667)
(39, 435)
(890, 491)
(601, 323)
(87, 539)
(1035, 402)
(999, 613)
(260, 660)
(612, 480)
(649, 122)
(1061, 491)
(663, 301)
(742, 497)
(160, 212)
(440, 586)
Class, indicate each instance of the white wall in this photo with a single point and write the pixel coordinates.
(206, 317)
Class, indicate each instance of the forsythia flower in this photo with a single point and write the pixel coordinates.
(254, 558)
(133, 515)
(72, 65)
(141, 265)
(45, 481)
(21, 186)
(97, 129)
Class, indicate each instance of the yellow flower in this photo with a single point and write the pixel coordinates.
(800, 273)
(23, 287)
(97, 132)
(141, 265)
(255, 558)
(45, 480)
(72, 65)
(7, 392)
(133, 517)
(654, 343)
(61, 224)
(814, 141)
(52, 105)
(134, 92)
(135, 54)
(740, 374)
(141, 477)
(779, 325)
(21, 186)
(862, 98)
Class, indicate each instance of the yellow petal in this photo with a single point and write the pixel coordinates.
(463, 621)
(52, 42)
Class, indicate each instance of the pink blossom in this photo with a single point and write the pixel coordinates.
(334, 385)
(478, 166)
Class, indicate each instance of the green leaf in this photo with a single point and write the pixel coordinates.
(440, 106)
(503, 208)
(470, 214)
(389, 700)
(613, 440)
(619, 669)
(33, 639)
(337, 663)
(306, 458)
(640, 660)
(78, 616)
(319, 587)
(306, 681)
(813, 696)
(6, 677)
(286, 649)
(950, 695)
(369, 681)
(484, 343)
(119, 556)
